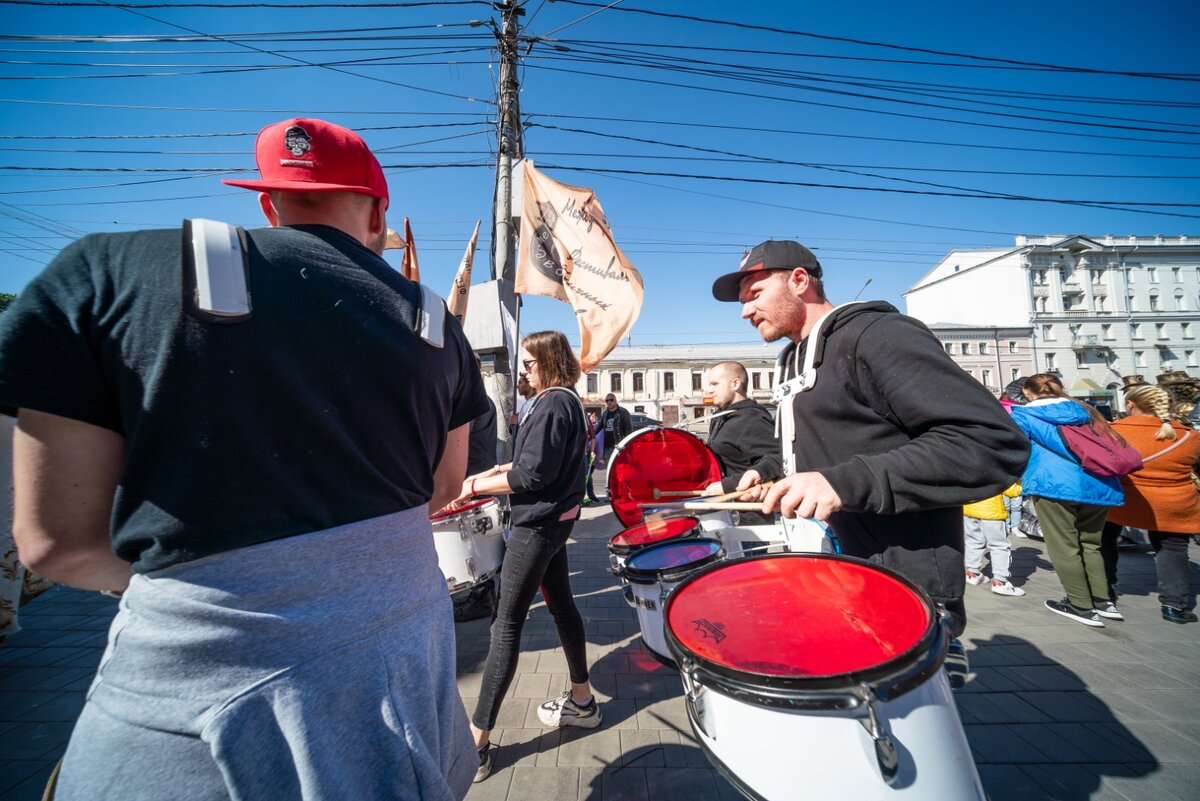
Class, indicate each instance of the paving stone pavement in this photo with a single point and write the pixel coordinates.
(1052, 709)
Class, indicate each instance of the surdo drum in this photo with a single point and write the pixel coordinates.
(654, 572)
(819, 676)
(469, 544)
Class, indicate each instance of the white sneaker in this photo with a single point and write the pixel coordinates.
(1006, 588)
(975, 578)
(563, 711)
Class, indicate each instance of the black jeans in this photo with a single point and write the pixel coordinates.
(1171, 564)
(535, 556)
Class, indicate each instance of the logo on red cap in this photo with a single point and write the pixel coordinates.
(297, 140)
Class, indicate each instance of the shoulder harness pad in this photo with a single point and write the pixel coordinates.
(216, 271)
(431, 318)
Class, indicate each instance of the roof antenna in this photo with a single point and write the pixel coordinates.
(864, 287)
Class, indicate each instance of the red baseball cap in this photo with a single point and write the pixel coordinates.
(310, 155)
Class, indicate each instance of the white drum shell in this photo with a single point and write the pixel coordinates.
(648, 600)
(470, 546)
(782, 755)
(799, 536)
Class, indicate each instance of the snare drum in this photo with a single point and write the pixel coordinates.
(656, 532)
(469, 543)
(827, 665)
(654, 572)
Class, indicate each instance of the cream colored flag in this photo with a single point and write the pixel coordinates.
(408, 266)
(393, 241)
(460, 292)
(567, 252)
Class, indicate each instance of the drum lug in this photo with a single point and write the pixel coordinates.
(693, 694)
(471, 568)
(885, 748)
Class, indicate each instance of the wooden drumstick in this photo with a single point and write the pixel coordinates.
(729, 496)
(677, 493)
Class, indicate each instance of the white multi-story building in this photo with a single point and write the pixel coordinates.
(1100, 308)
(667, 382)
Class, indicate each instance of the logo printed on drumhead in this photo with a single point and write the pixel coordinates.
(709, 629)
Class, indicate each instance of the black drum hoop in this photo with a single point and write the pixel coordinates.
(629, 550)
(889, 679)
(635, 576)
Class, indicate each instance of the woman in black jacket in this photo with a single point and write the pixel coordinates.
(545, 485)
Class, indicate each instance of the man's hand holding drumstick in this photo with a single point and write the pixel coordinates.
(799, 495)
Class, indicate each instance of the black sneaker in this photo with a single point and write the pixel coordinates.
(1174, 615)
(1107, 610)
(1087, 617)
(487, 757)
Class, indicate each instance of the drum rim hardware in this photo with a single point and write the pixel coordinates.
(637, 576)
(888, 680)
(619, 549)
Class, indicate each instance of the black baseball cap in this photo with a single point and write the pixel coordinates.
(774, 254)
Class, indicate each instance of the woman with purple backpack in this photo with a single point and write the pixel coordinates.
(1071, 504)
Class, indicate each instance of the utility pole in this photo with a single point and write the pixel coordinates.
(502, 386)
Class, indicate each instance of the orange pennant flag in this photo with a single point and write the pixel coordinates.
(567, 252)
(409, 267)
(461, 290)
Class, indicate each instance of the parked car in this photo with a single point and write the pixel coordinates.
(640, 420)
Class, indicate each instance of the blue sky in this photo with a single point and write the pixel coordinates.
(838, 112)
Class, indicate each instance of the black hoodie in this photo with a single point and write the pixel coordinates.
(905, 437)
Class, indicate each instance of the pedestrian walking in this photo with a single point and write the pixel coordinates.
(1071, 503)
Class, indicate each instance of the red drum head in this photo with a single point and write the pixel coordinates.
(651, 533)
(657, 458)
(442, 515)
(798, 616)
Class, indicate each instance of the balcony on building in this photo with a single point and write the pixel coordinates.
(1086, 342)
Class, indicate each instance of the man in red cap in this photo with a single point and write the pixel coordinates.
(882, 434)
(243, 432)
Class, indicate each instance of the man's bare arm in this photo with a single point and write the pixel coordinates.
(65, 474)
(452, 469)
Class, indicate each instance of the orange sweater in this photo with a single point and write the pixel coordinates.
(1160, 496)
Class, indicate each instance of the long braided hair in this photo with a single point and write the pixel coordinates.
(1156, 402)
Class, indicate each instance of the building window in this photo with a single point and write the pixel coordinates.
(983, 348)
(1180, 300)
(697, 386)
(1048, 332)
(1187, 331)
(1177, 275)
(1039, 277)
(1160, 330)
(1014, 373)
(614, 382)
(1152, 275)
(1190, 355)
(1133, 305)
(1050, 363)
(1012, 347)
(1154, 303)
(698, 412)
(770, 379)
(639, 382)
(593, 385)
(1079, 360)
(1111, 359)
(1097, 277)
(1139, 358)
(987, 378)
(950, 348)
(668, 382)
(1100, 302)
(966, 349)
(756, 380)
(1135, 331)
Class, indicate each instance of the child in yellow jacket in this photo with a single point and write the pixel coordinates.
(985, 527)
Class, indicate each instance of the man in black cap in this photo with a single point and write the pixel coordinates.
(883, 435)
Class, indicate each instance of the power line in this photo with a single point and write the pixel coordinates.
(890, 46)
(340, 5)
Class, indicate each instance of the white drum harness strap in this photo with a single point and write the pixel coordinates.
(216, 280)
(786, 392)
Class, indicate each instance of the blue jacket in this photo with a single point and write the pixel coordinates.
(1052, 472)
